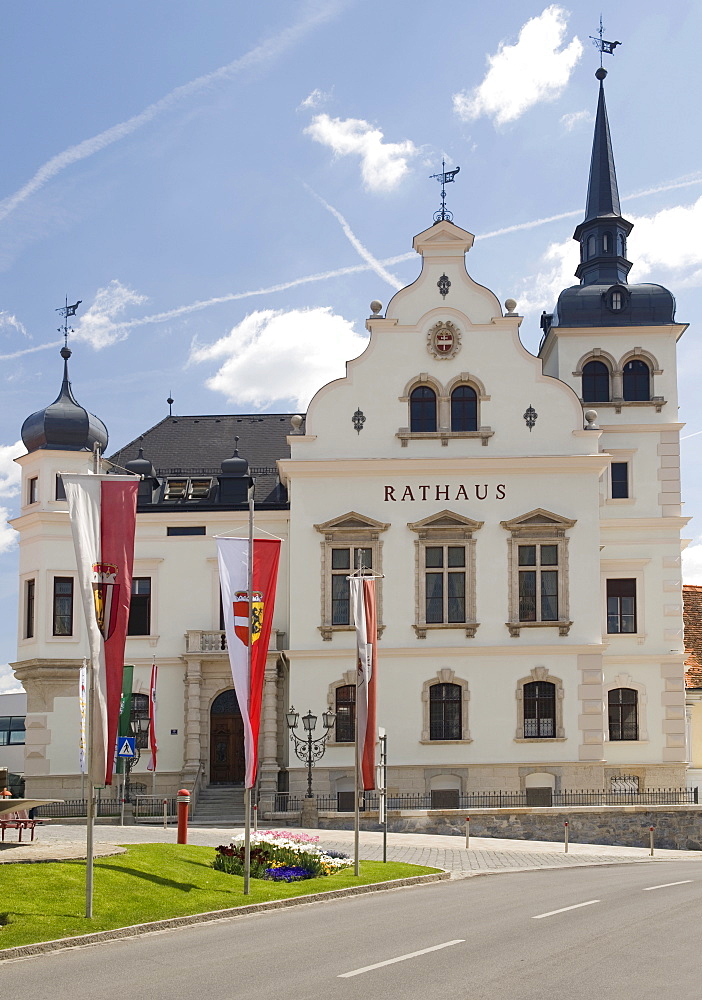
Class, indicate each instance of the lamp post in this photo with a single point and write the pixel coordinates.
(138, 726)
(308, 749)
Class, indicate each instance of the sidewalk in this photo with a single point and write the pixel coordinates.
(485, 856)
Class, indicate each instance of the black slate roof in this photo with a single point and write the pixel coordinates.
(586, 305)
(196, 445)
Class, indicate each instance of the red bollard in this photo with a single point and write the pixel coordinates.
(183, 801)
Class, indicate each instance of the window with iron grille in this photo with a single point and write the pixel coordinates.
(595, 381)
(139, 709)
(63, 605)
(538, 583)
(621, 606)
(342, 561)
(345, 723)
(140, 607)
(623, 714)
(445, 583)
(539, 710)
(422, 409)
(445, 703)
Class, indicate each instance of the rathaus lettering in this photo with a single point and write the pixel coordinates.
(478, 491)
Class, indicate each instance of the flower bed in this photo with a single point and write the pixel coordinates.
(280, 856)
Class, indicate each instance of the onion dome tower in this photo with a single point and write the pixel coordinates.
(604, 297)
(64, 425)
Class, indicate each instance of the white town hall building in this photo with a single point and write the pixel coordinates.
(524, 513)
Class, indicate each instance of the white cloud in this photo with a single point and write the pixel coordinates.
(535, 69)
(9, 320)
(277, 356)
(314, 100)
(8, 535)
(10, 472)
(664, 247)
(262, 54)
(97, 324)
(692, 563)
(383, 164)
(8, 682)
(575, 118)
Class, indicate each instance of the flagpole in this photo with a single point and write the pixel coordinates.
(356, 798)
(90, 818)
(249, 651)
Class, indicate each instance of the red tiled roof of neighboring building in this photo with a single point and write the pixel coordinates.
(692, 616)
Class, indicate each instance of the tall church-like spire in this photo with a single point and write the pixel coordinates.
(603, 232)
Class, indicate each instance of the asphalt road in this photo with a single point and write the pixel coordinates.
(613, 933)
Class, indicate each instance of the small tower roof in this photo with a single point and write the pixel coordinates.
(602, 191)
(64, 425)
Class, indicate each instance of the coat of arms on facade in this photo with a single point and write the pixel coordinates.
(105, 597)
(444, 340)
(241, 615)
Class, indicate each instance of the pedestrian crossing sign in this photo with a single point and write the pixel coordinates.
(125, 746)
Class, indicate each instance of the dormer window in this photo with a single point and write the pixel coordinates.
(616, 298)
(185, 488)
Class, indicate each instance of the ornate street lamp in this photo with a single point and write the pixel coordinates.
(138, 726)
(307, 749)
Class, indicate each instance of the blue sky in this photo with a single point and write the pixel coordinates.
(227, 187)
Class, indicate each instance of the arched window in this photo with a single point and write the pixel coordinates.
(637, 381)
(623, 714)
(590, 246)
(622, 245)
(595, 382)
(345, 713)
(607, 243)
(445, 721)
(539, 710)
(422, 409)
(464, 409)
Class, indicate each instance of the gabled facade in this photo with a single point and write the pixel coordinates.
(523, 513)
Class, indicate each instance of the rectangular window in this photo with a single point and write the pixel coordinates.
(445, 584)
(29, 595)
(620, 480)
(63, 605)
(538, 583)
(621, 606)
(60, 488)
(33, 490)
(11, 730)
(341, 565)
(140, 607)
(186, 529)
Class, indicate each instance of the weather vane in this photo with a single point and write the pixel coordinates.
(602, 45)
(67, 311)
(444, 178)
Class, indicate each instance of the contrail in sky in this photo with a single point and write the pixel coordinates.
(265, 52)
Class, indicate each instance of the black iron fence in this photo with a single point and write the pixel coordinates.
(450, 799)
(75, 808)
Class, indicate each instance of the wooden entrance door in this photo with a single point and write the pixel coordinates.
(227, 765)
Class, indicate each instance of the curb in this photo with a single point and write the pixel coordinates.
(136, 930)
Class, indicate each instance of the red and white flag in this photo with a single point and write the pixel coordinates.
(153, 744)
(366, 622)
(102, 510)
(233, 554)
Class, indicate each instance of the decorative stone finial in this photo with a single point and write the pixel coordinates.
(376, 308)
(296, 422)
(510, 306)
(591, 420)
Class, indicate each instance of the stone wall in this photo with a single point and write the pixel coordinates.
(675, 827)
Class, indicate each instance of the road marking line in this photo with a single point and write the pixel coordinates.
(563, 909)
(667, 884)
(401, 958)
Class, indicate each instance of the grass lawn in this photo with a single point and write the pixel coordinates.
(41, 902)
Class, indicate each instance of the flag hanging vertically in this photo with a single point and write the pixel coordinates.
(153, 744)
(233, 554)
(366, 624)
(102, 510)
(82, 704)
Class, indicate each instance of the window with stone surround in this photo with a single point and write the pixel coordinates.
(623, 712)
(63, 606)
(538, 571)
(445, 700)
(341, 698)
(621, 606)
(351, 541)
(444, 411)
(539, 707)
(445, 573)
